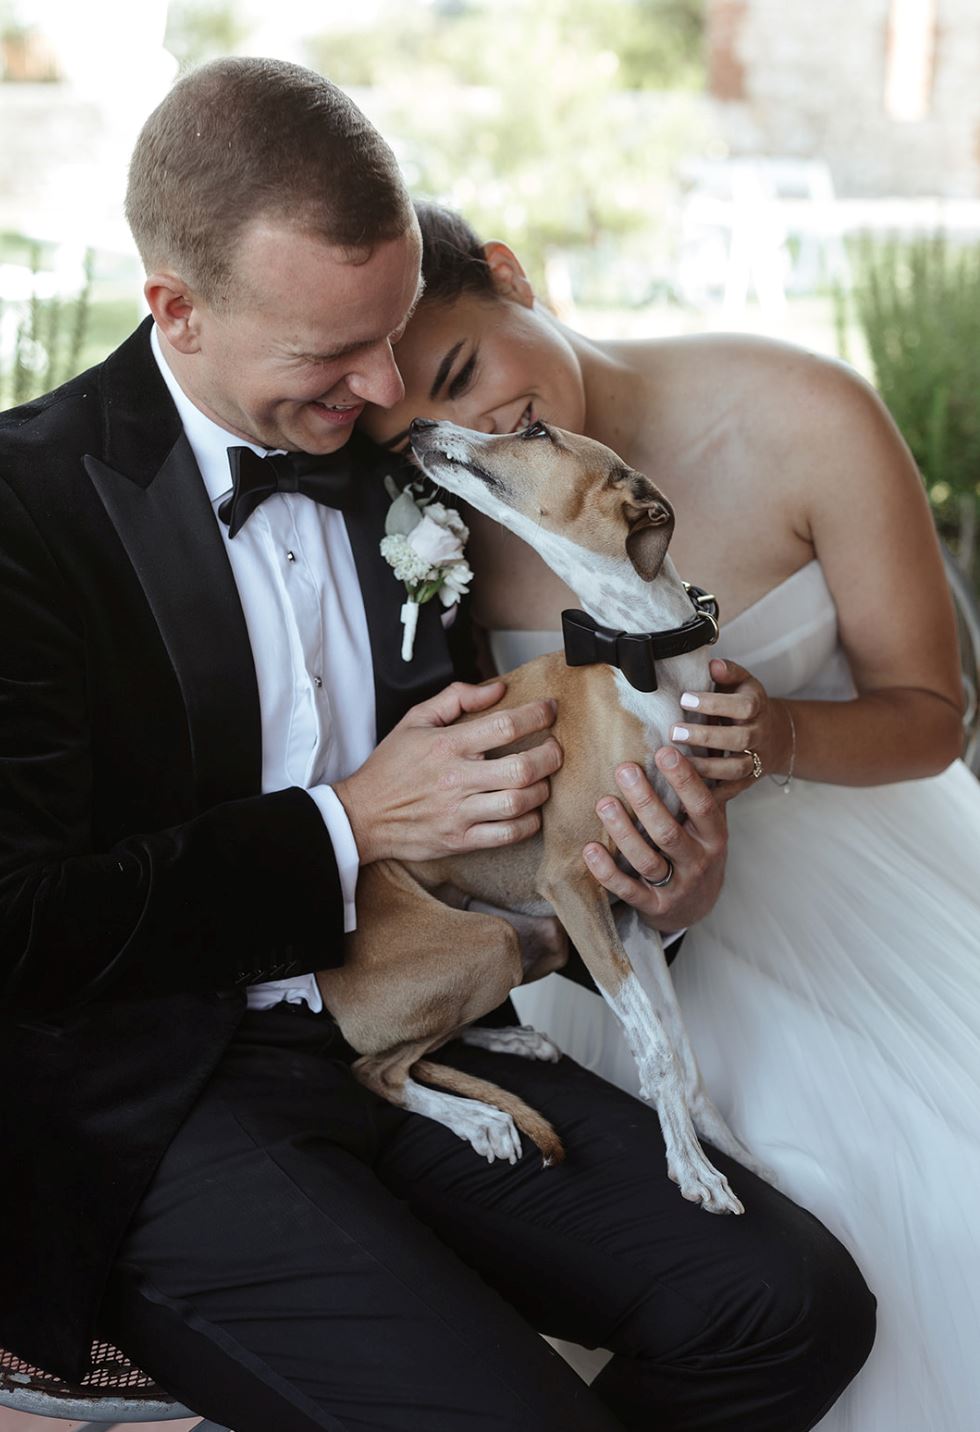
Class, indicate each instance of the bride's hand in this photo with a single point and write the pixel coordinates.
(738, 717)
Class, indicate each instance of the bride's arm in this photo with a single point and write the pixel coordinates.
(860, 502)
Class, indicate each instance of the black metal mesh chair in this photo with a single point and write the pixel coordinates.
(114, 1392)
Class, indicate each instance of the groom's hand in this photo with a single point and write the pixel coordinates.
(690, 847)
(428, 789)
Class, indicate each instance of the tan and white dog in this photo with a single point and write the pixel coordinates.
(418, 971)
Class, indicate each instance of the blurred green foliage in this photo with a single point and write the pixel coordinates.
(200, 30)
(918, 304)
(657, 44)
(45, 341)
(555, 125)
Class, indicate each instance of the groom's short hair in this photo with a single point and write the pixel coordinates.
(240, 139)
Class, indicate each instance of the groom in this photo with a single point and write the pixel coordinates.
(206, 727)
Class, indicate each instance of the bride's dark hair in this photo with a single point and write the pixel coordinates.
(452, 256)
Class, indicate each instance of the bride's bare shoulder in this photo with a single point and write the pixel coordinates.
(739, 358)
(763, 389)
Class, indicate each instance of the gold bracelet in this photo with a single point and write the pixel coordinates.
(785, 784)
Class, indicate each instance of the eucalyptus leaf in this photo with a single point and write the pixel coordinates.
(403, 516)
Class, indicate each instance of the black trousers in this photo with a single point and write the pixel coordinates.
(310, 1257)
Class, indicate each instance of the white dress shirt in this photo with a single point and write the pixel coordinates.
(295, 573)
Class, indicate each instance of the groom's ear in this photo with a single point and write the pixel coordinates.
(175, 309)
(509, 278)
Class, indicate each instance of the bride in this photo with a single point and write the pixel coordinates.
(833, 994)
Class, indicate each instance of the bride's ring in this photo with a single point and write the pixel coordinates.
(756, 763)
(658, 884)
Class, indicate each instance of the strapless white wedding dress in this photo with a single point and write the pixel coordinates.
(833, 1000)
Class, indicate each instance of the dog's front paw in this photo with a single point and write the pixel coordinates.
(700, 1182)
(711, 1126)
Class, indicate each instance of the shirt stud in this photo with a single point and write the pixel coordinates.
(290, 556)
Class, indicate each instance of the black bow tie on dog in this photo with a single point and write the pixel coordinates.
(636, 653)
(325, 479)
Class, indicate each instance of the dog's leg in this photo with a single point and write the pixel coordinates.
(543, 942)
(528, 1120)
(416, 970)
(645, 950)
(519, 1039)
(490, 1131)
(544, 947)
(490, 1128)
(425, 970)
(584, 911)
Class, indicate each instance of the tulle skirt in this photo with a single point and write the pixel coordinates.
(833, 1000)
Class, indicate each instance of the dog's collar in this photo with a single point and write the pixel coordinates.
(636, 653)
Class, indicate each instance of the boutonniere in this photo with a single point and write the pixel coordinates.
(423, 543)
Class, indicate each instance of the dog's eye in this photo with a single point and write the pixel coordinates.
(535, 430)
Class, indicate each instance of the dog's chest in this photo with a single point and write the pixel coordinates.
(657, 712)
(598, 730)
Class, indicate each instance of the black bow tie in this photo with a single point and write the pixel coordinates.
(637, 653)
(325, 479)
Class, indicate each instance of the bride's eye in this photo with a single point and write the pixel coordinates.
(535, 430)
(463, 379)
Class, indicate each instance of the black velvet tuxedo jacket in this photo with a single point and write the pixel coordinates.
(144, 880)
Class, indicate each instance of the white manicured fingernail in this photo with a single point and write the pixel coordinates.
(690, 701)
(679, 733)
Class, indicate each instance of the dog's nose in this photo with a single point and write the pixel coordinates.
(419, 425)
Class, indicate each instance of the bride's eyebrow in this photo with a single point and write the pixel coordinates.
(442, 373)
(444, 369)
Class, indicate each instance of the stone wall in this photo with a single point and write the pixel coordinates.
(792, 77)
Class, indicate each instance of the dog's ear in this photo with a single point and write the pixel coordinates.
(651, 524)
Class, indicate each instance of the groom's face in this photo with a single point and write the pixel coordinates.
(305, 339)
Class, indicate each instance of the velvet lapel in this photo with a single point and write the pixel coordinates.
(397, 684)
(154, 495)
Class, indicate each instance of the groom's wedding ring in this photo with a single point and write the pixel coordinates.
(756, 763)
(658, 884)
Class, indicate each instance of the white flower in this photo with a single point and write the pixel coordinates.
(423, 544)
(448, 517)
(434, 541)
(408, 565)
(455, 583)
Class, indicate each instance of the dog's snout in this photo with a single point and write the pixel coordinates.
(419, 425)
